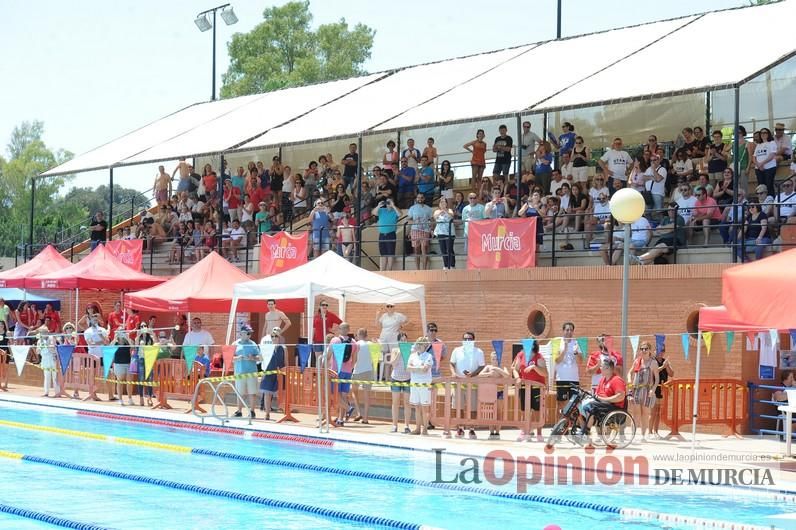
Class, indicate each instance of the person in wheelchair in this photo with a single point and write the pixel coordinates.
(609, 396)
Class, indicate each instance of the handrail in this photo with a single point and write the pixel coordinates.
(216, 397)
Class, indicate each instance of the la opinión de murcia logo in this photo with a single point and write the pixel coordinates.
(495, 243)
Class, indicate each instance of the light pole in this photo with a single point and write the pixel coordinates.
(201, 21)
(627, 206)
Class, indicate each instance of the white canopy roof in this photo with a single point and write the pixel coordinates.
(333, 276)
(534, 76)
(580, 71)
(767, 38)
(394, 94)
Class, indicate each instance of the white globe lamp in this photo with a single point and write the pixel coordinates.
(627, 206)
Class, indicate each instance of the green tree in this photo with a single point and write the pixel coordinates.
(284, 51)
(28, 157)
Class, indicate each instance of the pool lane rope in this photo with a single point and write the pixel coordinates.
(328, 513)
(232, 431)
(48, 518)
(625, 513)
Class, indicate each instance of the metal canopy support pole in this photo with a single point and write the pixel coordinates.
(708, 112)
(518, 166)
(544, 127)
(30, 228)
(736, 166)
(110, 205)
(220, 189)
(213, 95)
(358, 204)
(625, 291)
(558, 21)
(696, 392)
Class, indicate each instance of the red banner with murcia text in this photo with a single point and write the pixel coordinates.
(281, 252)
(501, 243)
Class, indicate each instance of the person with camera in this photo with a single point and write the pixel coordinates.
(496, 208)
(387, 215)
(320, 220)
(98, 228)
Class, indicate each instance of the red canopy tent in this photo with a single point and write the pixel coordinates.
(762, 293)
(47, 261)
(718, 318)
(205, 287)
(98, 270)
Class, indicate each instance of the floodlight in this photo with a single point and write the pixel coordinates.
(202, 22)
(228, 15)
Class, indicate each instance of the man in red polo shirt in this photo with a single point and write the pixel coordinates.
(318, 327)
(609, 395)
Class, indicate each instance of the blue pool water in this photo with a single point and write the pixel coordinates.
(119, 503)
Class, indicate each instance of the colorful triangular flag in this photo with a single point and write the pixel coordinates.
(792, 339)
(338, 350)
(65, 352)
(108, 353)
(150, 356)
(729, 337)
(266, 351)
(469, 346)
(774, 334)
(660, 343)
(497, 345)
(375, 353)
(707, 336)
(583, 345)
(634, 343)
(303, 351)
(527, 348)
(227, 353)
(20, 354)
(555, 345)
(436, 348)
(684, 338)
(190, 353)
(406, 351)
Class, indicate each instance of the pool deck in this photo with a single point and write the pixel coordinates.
(711, 451)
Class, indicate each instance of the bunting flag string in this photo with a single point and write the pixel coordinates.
(634, 343)
(406, 351)
(20, 354)
(707, 336)
(304, 351)
(497, 345)
(583, 345)
(150, 356)
(527, 348)
(108, 353)
(660, 343)
(374, 348)
(686, 344)
(729, 336)
(338, 350)
(65, 352)
(190, 353)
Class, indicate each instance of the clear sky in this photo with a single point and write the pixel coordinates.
(93, 70)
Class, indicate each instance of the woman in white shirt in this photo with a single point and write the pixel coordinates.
(390, 322)
(655, 183)
(765, 161)
(419, 368)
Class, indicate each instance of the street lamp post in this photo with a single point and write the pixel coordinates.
(627, 206)
(201, 21)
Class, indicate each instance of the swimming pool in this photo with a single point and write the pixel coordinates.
(387, 483)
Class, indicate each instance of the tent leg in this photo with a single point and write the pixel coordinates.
(695, 399)
(77, 306)
(232, 309)
(423, 312)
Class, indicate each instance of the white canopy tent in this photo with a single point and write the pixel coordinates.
(603, 67)
(329, 275)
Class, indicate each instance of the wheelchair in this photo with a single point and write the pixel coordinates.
(615, 428)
